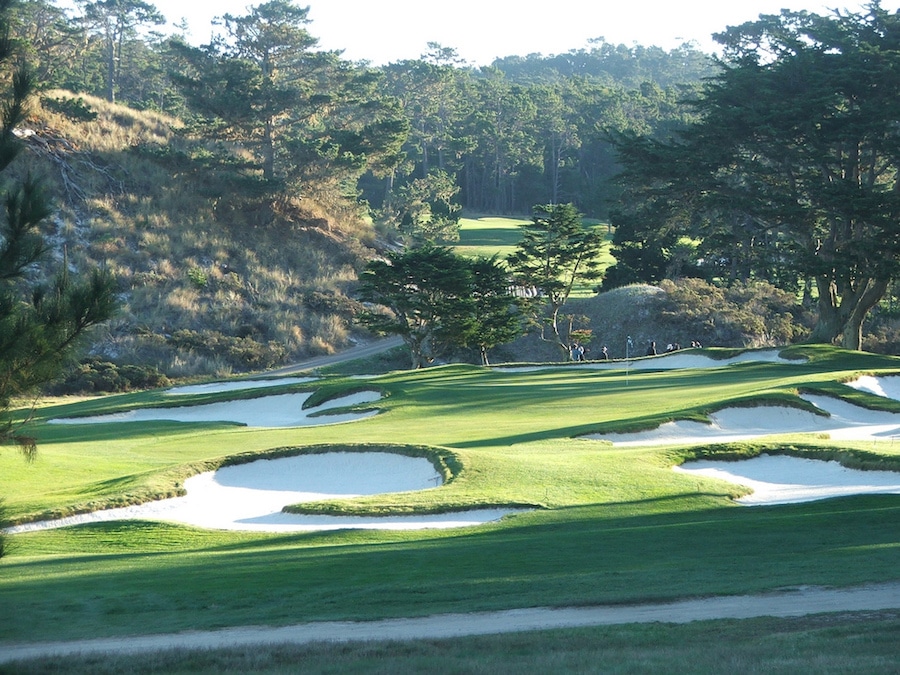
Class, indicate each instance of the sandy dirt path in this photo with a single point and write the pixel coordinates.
(787, 603)
(358, 352)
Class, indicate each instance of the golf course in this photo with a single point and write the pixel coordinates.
(578, 519)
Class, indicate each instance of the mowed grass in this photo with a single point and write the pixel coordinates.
(494, 235)
(862, 643)
(489, 235)
(607, 525)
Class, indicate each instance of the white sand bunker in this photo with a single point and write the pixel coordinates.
(236, 385)
(787, 480)
(285, 410)
(844, 422)
(672, 361)
(886, 387)
(251, 496)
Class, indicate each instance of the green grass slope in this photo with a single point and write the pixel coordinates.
(608, 525)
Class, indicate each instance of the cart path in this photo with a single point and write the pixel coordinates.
(787, 603)
(360, 351)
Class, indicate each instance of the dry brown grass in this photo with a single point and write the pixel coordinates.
(191, 251)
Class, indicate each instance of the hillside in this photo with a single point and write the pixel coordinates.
(752, 316)
(215, 276)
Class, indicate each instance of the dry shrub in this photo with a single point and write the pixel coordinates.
(753, 314)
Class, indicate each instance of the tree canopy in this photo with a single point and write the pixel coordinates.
(304, 113)
(557, 251)
(437, 300)
(791, 172)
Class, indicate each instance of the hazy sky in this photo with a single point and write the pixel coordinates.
(382, 31)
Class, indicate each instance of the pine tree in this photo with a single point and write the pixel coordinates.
(39, 326)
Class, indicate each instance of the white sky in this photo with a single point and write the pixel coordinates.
(383, 31)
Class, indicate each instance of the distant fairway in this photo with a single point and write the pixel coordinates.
(489, 235)
(608, 525)
(495, 235)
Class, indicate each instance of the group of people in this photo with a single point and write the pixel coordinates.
(671, 347)
(577, 351)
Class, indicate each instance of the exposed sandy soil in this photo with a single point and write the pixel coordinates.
(281, 410)
(789, 480)
(688, 358)
(236, 385)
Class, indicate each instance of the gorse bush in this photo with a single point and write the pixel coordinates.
(198, 277)
(75, 109)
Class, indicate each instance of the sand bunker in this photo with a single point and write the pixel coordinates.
(236, 385)
(671, 361)
(251, 496)
(844, 422)
(285, 410)
(886, 387)
(788, 480)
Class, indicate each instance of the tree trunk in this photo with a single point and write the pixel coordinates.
(557, 338)
(829, 322)
(415, 353)
(111, 73)
(421, 352)
(269, 150)
(851, 336)
(842, 316)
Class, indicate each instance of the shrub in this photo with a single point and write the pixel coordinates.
(243, 353)
(753, 314)
(198, 277)
(97, 376)
(76, 109)
(332, 303)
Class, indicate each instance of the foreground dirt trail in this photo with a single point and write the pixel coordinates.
(795, 602)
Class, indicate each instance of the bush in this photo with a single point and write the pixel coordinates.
(95, 376)
(243, 353)
(754, 314)
(332, 303)
(76, 109)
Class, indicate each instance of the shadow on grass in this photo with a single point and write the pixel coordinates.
(640, 551)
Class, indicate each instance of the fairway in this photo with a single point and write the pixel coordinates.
(602, 524)
(489, 235)
(495, 235)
